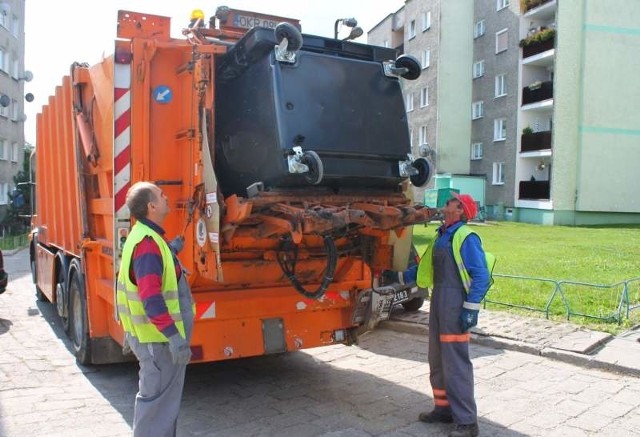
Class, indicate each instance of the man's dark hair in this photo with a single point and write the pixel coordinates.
(138, 198)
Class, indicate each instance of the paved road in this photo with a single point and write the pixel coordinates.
(377, 388)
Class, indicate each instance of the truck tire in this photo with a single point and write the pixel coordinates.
(414, 304)
(62, 301)
(78, 318)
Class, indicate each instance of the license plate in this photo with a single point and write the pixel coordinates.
(401, 296)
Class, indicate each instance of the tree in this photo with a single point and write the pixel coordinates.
(17, 219)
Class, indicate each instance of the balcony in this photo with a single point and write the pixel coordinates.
(534, 190)
(538, 47)
(527, 5)
(537, 92)
(535, 141)
(539, 40)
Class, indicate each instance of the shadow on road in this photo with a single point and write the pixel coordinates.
(5, 325)
(345, 390)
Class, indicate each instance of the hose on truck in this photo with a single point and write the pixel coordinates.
(288, 265)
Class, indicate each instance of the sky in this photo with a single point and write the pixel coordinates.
(61, 32)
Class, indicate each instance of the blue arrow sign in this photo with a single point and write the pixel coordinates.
(162, 94)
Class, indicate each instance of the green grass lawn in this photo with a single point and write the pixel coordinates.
(594, 255)
(14, 241)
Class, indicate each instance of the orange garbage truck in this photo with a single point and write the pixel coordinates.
(286, 161)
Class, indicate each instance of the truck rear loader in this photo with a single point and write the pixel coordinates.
(286, 161)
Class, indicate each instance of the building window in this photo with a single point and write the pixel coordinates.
(478, 29)
(422, 135)
(411, 136)
(426, 20)
(477, 110)
(412, 29)
(501, 85)
(4, 192)
(14, 110)
(426, 58)
(501, 4)
(409, 102)
(498, 173)
(4, 58)
(424, 97)
(502, 41)
(476, 151)
(15, 70)
(478, 69)
(14, 152)
(385, 43)
(15, 27)
(499, 129)
(3, 149)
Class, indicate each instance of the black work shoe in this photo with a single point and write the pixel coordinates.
(470, 430)
(437, 415)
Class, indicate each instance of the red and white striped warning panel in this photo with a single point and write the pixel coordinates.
(121, 138)
(205, 310)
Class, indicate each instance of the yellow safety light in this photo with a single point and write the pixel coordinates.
(197, 13)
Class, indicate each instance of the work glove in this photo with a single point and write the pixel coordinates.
(176, 244)
(391, 276)
(180, 350)
(468, 319)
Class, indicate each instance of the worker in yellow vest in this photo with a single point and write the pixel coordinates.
(454, 266)
(155, 309)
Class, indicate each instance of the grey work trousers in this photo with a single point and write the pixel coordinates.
(451, 370)
(161, 381)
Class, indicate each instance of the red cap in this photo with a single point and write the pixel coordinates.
(468, 205)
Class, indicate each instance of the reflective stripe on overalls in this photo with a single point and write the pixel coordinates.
(130, 307)
(451, 371)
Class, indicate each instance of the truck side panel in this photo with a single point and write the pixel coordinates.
(57, 174)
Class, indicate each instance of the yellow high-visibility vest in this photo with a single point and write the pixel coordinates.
(424, 276)
(130, 308)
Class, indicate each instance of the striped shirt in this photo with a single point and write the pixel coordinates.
(146, 272)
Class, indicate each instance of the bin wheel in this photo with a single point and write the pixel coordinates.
(424, 172)
(291, 32)
(411, 64)
(78, 318)
(316, 169)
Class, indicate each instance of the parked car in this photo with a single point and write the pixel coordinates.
(4, 278)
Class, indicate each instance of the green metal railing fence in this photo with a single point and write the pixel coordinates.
(603, 302)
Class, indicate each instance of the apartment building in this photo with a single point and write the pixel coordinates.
(12, 78)
(436, 33)
(494, 105)
(550, 124)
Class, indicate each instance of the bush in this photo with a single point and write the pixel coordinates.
(527, 131)
(530, 4)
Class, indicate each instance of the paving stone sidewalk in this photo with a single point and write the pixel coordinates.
(561, 341)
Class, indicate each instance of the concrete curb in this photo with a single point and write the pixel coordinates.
(589, 361)
(581, 360)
